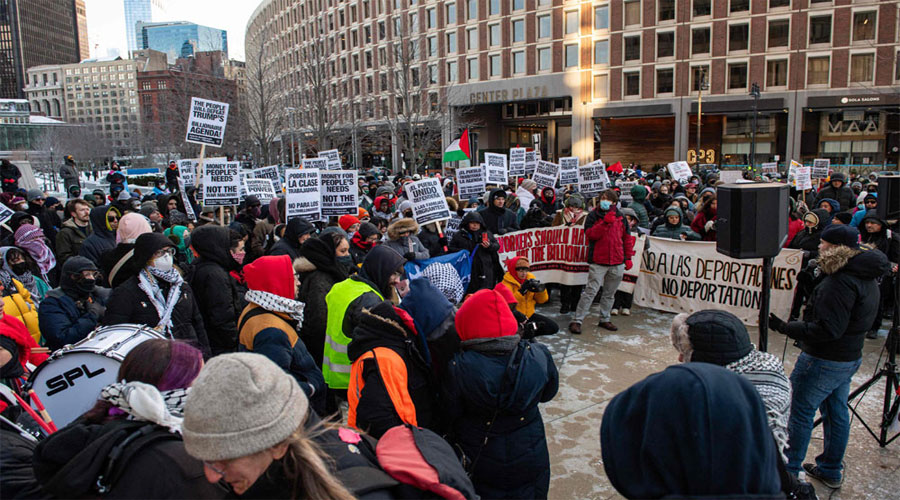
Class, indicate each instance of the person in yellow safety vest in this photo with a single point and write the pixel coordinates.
(381, 271)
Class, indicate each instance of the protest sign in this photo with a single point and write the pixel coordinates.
(333, 157)
(270, 172)
(730, 176)
(556, 254)
(592, 178)
(315, 163)
(221, 183)
(186, 200)
(799, 177)
(516, 162)
(339, 192)
(769, 168)
(820, 168)
(568, 170)
(261, 188)
(629, 279)
(496, 171)
(680, 171)
(429, 203)
(5, 213)
(625, 190)
(187, 171)
(531, 159)
(545, 174)
(688, 276)
(206, 122)
(471, 182)
(452, 225)
(302, 198)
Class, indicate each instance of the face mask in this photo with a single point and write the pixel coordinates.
(238, 257)
(605, 204)
(164, 263)
(20, 268)
(255, 212)
(86, 285)
(346, 260)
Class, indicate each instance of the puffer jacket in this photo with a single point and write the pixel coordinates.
(67, 321)
(406, 244)
(320, 271)
(639, 195)
(525, 302)
(18, 303)
(499, 220)
(102, 238)
(218, 295)
(610, 243)
(666, 230)
(843, 195)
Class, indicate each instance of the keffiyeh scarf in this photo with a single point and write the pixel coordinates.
(766, 373)
(147, 282)
(277, 303)
(147, 403)
(31, 238)
(445, 278)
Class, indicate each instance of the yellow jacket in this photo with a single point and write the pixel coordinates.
(526, 302)
(20, 305)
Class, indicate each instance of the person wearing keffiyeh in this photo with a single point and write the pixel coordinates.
(31, 239)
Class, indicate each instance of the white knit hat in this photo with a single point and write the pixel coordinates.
(241, 404)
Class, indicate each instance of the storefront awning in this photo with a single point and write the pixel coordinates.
(738, 105)
(646, 110)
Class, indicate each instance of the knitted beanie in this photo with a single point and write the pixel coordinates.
(717, 337)
(241, 404)
(847, 236)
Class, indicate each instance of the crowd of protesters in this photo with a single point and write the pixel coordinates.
(298, 349)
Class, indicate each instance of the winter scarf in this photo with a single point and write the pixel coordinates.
(7, 275)
(31, 238)
(147, 282)
(572, 214)
(277, 303)
(446, 278)
(492, 345)
(147, 403)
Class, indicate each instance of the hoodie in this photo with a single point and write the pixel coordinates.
(103, 237)
(499, 220)
(406, 244)
(289, 244)
(218, 295)
(884, 240)
(674, 232)
(525, 302)
(486, 270)
(639, 195)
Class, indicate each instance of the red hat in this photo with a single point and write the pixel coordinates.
(362, 213)
(273, 274)
(345, 221)
(485, 315)
(511, 267)
(506, 293)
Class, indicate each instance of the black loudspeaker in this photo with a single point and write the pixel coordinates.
(752, 220)
(889, 197)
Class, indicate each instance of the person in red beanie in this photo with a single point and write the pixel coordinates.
(270, 322)
(491, 392)
(349, 223)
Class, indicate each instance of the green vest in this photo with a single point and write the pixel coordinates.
(335, 363)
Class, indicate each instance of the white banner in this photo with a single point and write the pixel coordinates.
(221, 183)
(333, 157)
(471, 182)
(592, 178)
(496, 171)
(820, 168)
(339, 192)
(187, 171)
(531, 159)
(302, 198)
(516, 162)
(206, 122)
(680, 171)
(316, 163)
(568, 170)
(545, 174)
(429, 203)
(689, 276)
(261, 188)
(270, 172)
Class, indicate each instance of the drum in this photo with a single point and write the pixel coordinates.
(70, 381)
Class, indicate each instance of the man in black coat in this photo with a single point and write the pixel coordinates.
(837, 189)
(104, 223)
(474, 238)
(217, 292)
(296, 232)
(498, 219)
(831, 336)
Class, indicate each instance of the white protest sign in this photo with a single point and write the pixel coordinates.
(429, 203)
(206, 122)
(452, 225)
(592, 178)
(186, 200)
(820, 168)
(688, 276)
(625, 189)
(5, 213)
(568, 170)
(261, 188)
(339, 192)
(730, 176)
(221, 183)
(302, 197)
(496, 171)
(531, 159)
(680, 171)
(317, 163)
(545, 174)
(270, 172)
(333, 157)
(516, 162)
(804, 178)
(769, 168)
(187, 171)
(471, 182)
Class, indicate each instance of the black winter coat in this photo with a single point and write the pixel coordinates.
(844, 196)
(9, 177)
(320, 272)
(17, 480)
(218, 294)
(129, 304)
(102, 239)
(486, 270)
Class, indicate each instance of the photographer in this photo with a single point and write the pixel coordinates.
(528, 292)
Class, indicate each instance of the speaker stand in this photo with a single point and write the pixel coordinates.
(765, 295)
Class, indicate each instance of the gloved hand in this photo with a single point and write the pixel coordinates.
(96, 308)
(710, 225)
(628, 265)
(409, 256)
(776, 323)
(610, 217)
(537, 286)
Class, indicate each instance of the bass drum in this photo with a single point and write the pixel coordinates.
(69, 382)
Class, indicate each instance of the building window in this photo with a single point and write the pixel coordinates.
(518, 4)
(601, 17)
(665, 44)
(601, 52)
(666, 10)
(864, 26)
(897, 67)
(451, 13)
(451, 42)
(737, 36)
(494, 35)
(774, 4)
(779, 33)
(700, 41)
(518, 30)
(632, 48)
(473, 10)
(632, 12)
(545, 28)
(472, 68)
(494, 7)
(472, 38)
(431, 43)
(701, 8)
(571, 55)
(496, 66)
(452, 73)
(737, 76)
(739, 6)
(571, 22)
(432, 18)
(632, 86)
(776, 73)
(545, 59)
(698, 77)
(665, 81)
(601, 86)
(862, 68)
(817, 70)
(819, 29)
(518, 62)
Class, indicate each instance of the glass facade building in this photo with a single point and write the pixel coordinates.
(140, 11)
(182, 39)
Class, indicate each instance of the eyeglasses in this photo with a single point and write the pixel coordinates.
(163, 252)
(523, 269)
(405, 233)
(112, 218)
(213, 468)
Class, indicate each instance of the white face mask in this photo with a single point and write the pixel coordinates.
(164, 263)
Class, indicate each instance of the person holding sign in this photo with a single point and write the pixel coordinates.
(473, 237)
(610, 249)
(838, 190)
(402, 238)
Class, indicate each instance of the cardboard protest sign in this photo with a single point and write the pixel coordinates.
(799, 177)
(206, 122)
(271, 172)
(730, 176)
(592, 178)
(545, 174)
(5, 213)
(339, 192)
(680, 171)
(568, 170)
(185, 199)
(687, 276)
(261, 188)
(516, 162)
(429, 203)
(769, 168)
(820, 168)
(496, 171)
(625, 190)
(333, 157)
(221, 183)
(316, 163)
(302, 197)
(531, 159)
(187, 171)
(471, 182)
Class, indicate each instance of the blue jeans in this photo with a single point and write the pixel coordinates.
(822, 384)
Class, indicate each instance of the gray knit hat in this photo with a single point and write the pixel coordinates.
(241, 404)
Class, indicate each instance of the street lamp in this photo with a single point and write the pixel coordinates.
(754, 93)
(702, 85)
(293, 139)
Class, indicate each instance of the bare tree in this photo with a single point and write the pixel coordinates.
(263, 107)
(316, 97)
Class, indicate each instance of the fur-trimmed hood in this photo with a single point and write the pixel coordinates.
(404, 224)
(303, 265)
(452, 203)
(865, 264)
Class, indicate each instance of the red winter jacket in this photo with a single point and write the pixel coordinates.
(11, 327)
(609, 243)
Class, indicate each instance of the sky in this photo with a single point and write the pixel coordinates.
(106, 21)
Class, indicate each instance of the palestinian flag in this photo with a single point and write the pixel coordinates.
(458, 149)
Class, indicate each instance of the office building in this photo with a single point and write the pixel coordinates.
(140, 11)
(84, 46)
(45, 91)
(182, 39)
